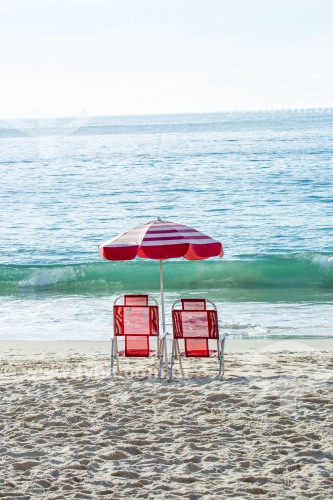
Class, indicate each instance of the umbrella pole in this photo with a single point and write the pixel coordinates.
(162, 295)
(164, 343)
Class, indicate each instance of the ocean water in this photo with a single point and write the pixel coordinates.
(261, 183)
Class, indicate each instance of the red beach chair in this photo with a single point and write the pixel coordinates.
(135, 319)
(195, 321)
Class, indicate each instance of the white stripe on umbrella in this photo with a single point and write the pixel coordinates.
(176, 242)
(173, 233)
(170, 228)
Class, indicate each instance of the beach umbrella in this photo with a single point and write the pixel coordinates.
(161, 240)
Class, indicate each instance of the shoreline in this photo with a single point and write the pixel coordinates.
(96, 347)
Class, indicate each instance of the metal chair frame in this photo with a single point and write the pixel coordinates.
(175, 352)
(160, 339)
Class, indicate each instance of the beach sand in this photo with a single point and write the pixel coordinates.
(70, 431)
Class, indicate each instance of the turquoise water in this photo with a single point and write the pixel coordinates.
(259, 182)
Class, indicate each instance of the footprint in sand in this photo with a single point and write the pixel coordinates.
(126, 474)
(26, 465)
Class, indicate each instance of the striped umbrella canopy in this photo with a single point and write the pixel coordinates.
(161, 240)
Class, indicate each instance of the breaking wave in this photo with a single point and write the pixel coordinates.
(257, 272)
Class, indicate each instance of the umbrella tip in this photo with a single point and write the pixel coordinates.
(159, 219)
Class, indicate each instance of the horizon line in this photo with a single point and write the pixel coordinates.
(328, 109)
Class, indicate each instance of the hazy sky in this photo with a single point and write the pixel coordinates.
(107, 57)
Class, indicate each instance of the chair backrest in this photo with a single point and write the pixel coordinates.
(196, 324)
(136, 320)
(136, 300)
(193, 304)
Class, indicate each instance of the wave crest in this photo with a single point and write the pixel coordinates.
(258, 272)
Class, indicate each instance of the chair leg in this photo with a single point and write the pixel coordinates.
(116, 356)
(221, 370)
(172, 359)
(161, 357)
(180, 359)
(112, 358)
(166, 357)
(159, 342)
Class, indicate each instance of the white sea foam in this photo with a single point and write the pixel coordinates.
(325, 262)
(45, 277)
(80, 317)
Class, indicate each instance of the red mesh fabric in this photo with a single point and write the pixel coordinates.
(153, 320)
(135, 320)
(213, 324)
(136, 300)
(212, 354)
(196, 348)
(193, 304)
(195, 324)
(137, 345)
(151, 353)
(118, 320)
